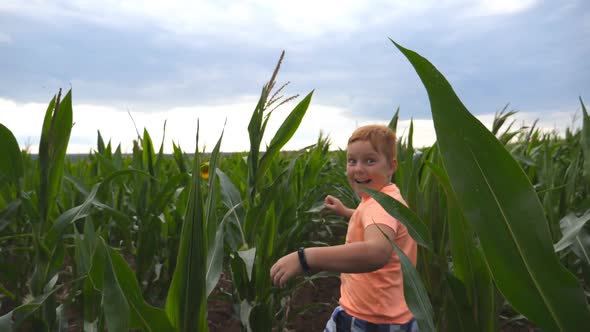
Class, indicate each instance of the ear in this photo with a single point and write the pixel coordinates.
(393, 167)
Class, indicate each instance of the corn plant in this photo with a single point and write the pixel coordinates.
(197, 266)
(496, 197)
(11, 173)
(461, 288)
(261, 224)
(49, 254)
(102, 280)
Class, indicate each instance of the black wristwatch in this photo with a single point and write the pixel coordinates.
(303, 261)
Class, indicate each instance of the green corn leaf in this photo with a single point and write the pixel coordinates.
(414, 224)
(8, 213)
(11, 159)
(284, 134)
(414, 292)
(98, 268)
(179, 158)
(261, 315)
(255, 123)
(164, 196)
(574, 235)
(100, 143)
(393, 123)
(459, 312)
(143, 316)
(83, 210)
(148, 154)
(239, 275)
(69, 216)
(85, 246)
(582, 249)
(93, 284)
(265, 248)
(468, 262)
(214, 261)
(160, 158)
(410, 167)
(12, 320)
(45, 156)
(248, 256)
(255, 133)
(186, 303)
(95, 267)
(501, 204)
(105, 164)
(245, 310)
(210, 212)
(232, 200)
(115, 306)
(53, 144)
(485, 296)
(215, 255)
(461, 235)
(215, 233)
(256, 215)
(585, 140)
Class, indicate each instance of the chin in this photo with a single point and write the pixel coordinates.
(360, 192)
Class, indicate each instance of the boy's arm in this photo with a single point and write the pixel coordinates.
(358, 257)
(347, 212)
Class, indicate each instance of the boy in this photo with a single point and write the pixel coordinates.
(372, 297)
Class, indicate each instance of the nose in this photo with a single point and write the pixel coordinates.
(358, 168)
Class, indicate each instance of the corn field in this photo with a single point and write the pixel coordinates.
(139, 241)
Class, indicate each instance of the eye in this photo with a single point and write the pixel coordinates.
(371, 161)
(351, 161)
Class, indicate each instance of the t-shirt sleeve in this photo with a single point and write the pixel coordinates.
(375, 212)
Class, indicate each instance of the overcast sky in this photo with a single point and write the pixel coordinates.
(179, 61)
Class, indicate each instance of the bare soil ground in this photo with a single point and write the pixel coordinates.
(310, 309)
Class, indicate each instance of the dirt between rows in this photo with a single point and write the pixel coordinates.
(316, 302)
(311, 307)
(320, 298)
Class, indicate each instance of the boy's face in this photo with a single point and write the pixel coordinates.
(367, 167)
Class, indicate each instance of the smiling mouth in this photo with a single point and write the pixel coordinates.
(363, 182)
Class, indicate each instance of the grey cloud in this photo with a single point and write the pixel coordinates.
(535, 59)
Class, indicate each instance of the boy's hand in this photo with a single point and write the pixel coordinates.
(284, 269)
(334, 204)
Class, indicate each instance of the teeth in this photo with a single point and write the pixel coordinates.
(362, 182)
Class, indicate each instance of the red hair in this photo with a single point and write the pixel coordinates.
(382, 139)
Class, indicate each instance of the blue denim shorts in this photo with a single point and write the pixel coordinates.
(340, 321)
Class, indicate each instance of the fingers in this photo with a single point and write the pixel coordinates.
(275, 274)
(330, 201)
(333, 204)
(284, 269)
(278, 276)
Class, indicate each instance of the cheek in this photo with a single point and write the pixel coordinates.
(349, 177)
(349, 171)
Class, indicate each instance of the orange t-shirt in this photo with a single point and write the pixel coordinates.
(378, 296)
